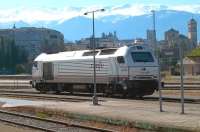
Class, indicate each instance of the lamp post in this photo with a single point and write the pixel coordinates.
(158, 56)
(154, 33)
(94, 98)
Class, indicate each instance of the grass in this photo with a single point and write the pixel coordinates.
(98, 120)
(41, 115)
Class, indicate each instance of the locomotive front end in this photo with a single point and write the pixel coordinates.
(143, 71)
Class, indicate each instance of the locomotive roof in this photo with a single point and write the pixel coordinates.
(83, 54)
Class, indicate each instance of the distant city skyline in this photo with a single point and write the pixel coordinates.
(31, 11)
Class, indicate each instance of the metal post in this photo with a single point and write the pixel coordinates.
(154, 32)
(159, 85)
(182, 70)
(158, 57)
(153, 11)
(95, 98)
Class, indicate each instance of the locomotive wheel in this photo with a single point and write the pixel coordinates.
(43, 92)
(124, 89)
(58, 91)
(131, 91)
(71, 91)
(109, 91)
(41, 88)
(59, 88)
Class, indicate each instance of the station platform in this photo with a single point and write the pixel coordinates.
(137, 113)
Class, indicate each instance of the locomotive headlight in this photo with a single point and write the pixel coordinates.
(125, 87)
(33, 84)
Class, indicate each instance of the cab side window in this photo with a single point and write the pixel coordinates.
(35, 64)
(120, 60)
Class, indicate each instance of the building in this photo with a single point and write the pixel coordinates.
(74, 46)
(185, 43)
(140, 41)
(170, 48)
(106, 40)
(35, 40)
(169, 58)
(172, 37)
(191, 66)
(192, 63)
(124, 42)
(192, 32)
(129, 42)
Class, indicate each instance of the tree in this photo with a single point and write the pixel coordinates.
(11, 55)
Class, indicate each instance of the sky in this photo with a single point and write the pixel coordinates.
(86, 3)
(31, 11)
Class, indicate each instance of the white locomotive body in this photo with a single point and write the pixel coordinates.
(127, 70)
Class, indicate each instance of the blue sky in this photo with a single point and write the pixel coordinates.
(86, 3)
(31, 11)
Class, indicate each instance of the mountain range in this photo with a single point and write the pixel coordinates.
(127, 27)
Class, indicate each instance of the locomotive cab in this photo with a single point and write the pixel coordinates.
(142, 71)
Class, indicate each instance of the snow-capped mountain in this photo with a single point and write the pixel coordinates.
(126, 26)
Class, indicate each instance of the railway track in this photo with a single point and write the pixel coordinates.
(167, 86)
(24, 83)
(48, 97)
(47, 125)
(172, 99)
(177, 85)
(77, 98)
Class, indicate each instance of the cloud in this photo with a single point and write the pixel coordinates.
(188, 8)
(36, 14)
(141, 9)
(31, 15)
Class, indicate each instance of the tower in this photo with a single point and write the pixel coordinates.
(192, 32)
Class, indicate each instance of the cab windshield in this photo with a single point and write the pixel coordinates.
(142, 57)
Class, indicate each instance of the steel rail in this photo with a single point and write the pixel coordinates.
(68, 99)
(77, 98)
(47, 121)
(48, 97)
(171, 99)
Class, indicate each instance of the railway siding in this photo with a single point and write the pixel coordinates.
(44, 124)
